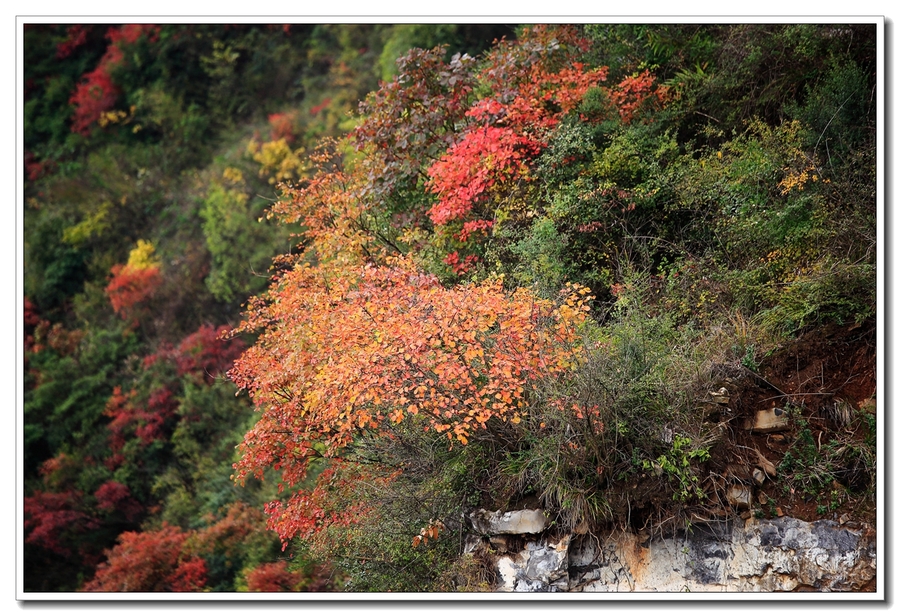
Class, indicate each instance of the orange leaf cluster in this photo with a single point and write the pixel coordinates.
(330, 207)
(637, 91)
(379, 344)
(353, 340)
(430, 531)
(130, 285)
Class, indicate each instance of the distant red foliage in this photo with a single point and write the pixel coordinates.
(282, 126)
(273, 577)
(228, 537)
(207, 352)
(130, 286)
(35, 169)
(49, 515)
(31, 314)
(131, 33)
(32, 318)
(318, 108)
(152, 561)
(145, 421)
(96, 92)
(119, 408)
(112, 496)
(76, 37)
(160, 408)
(637, 91)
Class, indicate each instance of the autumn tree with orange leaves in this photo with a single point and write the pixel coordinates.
(357, 340)
(375, 346)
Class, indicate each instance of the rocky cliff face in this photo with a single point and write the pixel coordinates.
(781, 554)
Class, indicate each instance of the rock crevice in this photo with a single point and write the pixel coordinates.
(780, 554)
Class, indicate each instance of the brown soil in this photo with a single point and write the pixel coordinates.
(809, 377)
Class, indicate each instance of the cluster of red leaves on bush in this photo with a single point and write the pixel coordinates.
(143, 419)
(35, 169)
(76, 36)
(113, 497)
(282, 126)
(274, 577)
(413, 118)
(129, 286)
(470, 168)
(637, 92)
(534, 83)
(49, 515)
(150, 561)
(207, 352)
(96, 91)
(461, 265)
(330, 503)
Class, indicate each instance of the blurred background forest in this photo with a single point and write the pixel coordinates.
(712, 187)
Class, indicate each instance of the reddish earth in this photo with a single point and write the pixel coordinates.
(824, 370)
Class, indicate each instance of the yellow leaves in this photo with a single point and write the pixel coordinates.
(94, 225)
(141, 256)
(796, 180)
(278, 161)
(116, 116)
(233, 175)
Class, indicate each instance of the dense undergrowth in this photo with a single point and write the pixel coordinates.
(518, 275)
